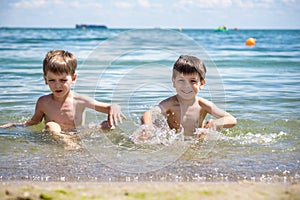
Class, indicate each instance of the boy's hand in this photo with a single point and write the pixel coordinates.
(211, 125)
(143, 133)
(7, 125)
(11, 125)
(115, 115)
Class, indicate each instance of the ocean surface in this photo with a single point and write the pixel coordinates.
(259, 85)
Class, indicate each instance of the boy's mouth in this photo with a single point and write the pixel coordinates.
(58, 91)
(186, 92)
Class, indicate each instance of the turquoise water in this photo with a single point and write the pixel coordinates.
(259, 85)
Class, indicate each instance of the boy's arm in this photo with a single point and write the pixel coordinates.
(147, 117)
(8, 125)
(113, 110)
(223, 118)
(35, 119)
(38, 113)
(29, 122)
(147, 126)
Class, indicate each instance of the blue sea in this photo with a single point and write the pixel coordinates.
(259, 85)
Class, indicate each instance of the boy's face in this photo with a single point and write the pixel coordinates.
(59, 84)
(187, 85)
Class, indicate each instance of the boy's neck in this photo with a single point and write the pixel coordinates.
(186, 102)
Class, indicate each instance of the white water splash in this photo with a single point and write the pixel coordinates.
(156, 135)
(258, 138)
(208, 134)
(158, 132)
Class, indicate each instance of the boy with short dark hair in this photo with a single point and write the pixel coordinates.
(186, 110)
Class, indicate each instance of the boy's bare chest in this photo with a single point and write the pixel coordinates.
(190, 116)
(187, 117)
(60, 112)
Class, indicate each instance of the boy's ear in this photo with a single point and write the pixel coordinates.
(173, 80)
(202, 83)
(74, 77)
(45, 80)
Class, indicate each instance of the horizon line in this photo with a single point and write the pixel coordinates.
(182, 28)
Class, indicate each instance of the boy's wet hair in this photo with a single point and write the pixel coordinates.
(189, 65)
(59, 62)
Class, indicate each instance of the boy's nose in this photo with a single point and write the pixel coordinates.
(57, 84)
(186, 85)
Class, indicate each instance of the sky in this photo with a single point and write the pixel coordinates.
(242, 14)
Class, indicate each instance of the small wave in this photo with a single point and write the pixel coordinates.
(257, 138)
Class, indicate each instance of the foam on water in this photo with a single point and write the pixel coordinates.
(257, 138)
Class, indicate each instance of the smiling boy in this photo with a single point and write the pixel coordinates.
(186, 110)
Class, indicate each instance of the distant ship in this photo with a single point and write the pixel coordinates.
(221, 29)
(85, 26)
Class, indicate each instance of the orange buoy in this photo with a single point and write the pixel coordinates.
(250, 42)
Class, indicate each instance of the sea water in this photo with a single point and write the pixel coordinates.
(259, 85)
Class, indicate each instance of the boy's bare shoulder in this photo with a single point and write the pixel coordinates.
(169, 103)
(78, 96)
(205, 103)
(81, 98)
(46, 98)
(44, 101)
